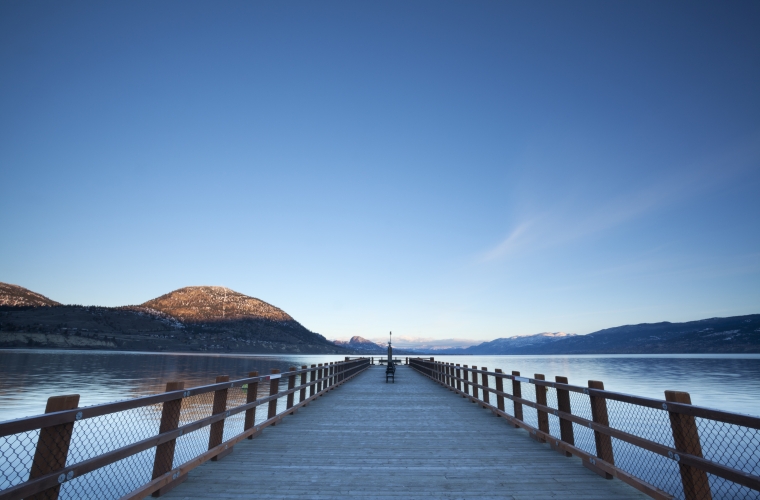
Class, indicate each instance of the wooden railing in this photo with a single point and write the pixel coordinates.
(664, 448)
(134, 448)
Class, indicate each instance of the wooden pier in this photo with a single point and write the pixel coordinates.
(411, 439)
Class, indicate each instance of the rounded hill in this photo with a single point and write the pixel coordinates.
(18, 296)
(202, 304)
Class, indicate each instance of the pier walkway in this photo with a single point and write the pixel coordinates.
(411, 439)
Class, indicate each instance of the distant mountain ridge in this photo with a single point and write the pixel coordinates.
(737, 334)
(510, 345)
(361, 345)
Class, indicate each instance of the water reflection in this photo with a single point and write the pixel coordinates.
(727, 382)
(29, 377)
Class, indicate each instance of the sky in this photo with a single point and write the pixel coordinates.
(441, 169)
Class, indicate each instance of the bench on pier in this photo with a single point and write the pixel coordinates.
(390, 372)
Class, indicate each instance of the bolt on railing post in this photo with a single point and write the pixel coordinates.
(164, 459)
(303, 383)
(474, 382)
(603, 441)
(499, 389)
(217, 428)
(466, 383)
(291, 385)
(252, 394)
(312, 383)
(686, 440)
(459, 375)
(53, 445)
(565, 426)
(274, 388)
(543, 417)
(517, 392)
(484, 383)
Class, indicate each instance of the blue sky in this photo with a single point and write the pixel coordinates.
(439, 169)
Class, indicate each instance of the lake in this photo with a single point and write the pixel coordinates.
(29, 377)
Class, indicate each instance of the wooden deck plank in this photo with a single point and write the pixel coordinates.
(412, 439)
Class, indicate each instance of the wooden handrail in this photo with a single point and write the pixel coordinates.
(52, 479)
(689, 458)
(26, 424)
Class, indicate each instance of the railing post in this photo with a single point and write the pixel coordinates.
(474, 382)
(459, 375)
(686, 440)
(466, 383)
(543, 417)
(303, 382)
(499, 389)
(517, 392)
(165, 451)
(484, 383)
(274, 388)
(565, 426)
(217, 428)
(291, 385)
(53, 445)
(603, 441)
(312, 383)
(449, 376)
(252, 394)
(320, 374)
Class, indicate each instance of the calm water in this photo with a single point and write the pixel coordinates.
(29, 377)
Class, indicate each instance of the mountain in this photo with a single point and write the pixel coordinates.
(209, 319)
(509, 345)
(204, 304)
(213, 310)
(18, 296)
(360, 345)
(737, 334)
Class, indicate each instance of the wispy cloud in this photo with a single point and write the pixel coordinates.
(562, 221)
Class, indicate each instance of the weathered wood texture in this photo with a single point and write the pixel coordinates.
(411, 439)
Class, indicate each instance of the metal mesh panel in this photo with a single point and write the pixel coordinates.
(727, 490)
(233, 425)
(99, 435)
(649, 423)
(509, 405)
(551, 401)
(530, 415)
(732, 445)
(653, 468)
(580, 404)
(111, 481)
(16, 454)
